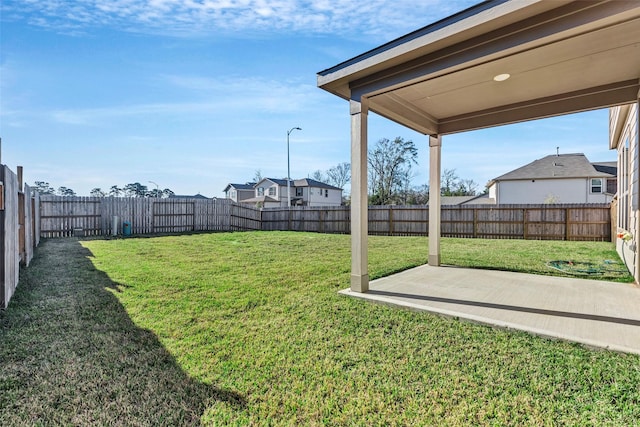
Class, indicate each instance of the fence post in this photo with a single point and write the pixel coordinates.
(613, 219)
(390, 233)
(525, 226)
(475, 223)
(321, 221)
(567, 224)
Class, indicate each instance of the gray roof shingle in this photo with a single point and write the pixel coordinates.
(308, 182)
(247, 186)
(574, 165)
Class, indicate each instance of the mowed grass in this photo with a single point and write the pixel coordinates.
(248, 329)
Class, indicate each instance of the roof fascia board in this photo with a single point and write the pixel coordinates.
(437, 31)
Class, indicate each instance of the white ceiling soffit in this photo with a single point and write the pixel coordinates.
(561, 57)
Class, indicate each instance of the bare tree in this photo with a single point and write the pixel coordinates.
(469, 187)
(339, 175)
(418, 195)
(257, 176)
(318, 176)
(390, 164)
(452, 185)
(448, 182)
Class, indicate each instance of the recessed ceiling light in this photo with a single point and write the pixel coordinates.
(501, 77)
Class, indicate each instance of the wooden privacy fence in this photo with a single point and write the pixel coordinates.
(19, 229)
(102, 216)
(94, 216)
(534, 222)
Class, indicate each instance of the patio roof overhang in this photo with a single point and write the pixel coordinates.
(558, 57)
(562, 57)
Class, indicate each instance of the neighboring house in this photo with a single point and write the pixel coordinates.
(239, 192)
(560, 178)
(624, 137)
(272, 192)
(309, 192)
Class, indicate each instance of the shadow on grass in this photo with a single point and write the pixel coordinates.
(70, 353)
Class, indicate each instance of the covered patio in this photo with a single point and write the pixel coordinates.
(591, 312)
(496, 63)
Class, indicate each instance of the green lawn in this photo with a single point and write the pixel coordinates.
(248, 329)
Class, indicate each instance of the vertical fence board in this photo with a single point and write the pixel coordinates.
(10, 262)
(29, 242)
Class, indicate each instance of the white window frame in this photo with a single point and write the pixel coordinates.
(593, 186)
(272, 191)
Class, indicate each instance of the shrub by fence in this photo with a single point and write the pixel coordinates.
(19, 229)
(94, 216)
(534, 222)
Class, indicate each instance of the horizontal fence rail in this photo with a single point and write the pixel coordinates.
(534, 222)
(103, 216)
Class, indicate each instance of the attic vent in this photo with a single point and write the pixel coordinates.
(557, 164)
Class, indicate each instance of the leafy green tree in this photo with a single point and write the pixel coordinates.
(66, 192)
(115, 191)
(97, 192)
(43, 187)
(135, 190)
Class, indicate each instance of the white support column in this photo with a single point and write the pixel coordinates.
(435, 152)
(359, 197)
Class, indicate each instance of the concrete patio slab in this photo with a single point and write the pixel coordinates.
(591, 312)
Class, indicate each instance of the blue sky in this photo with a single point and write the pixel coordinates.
(194, 94)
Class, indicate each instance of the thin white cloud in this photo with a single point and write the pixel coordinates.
(381, 18)
(242, 95)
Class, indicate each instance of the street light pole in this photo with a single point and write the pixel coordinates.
(157, 188)
(289, 168)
